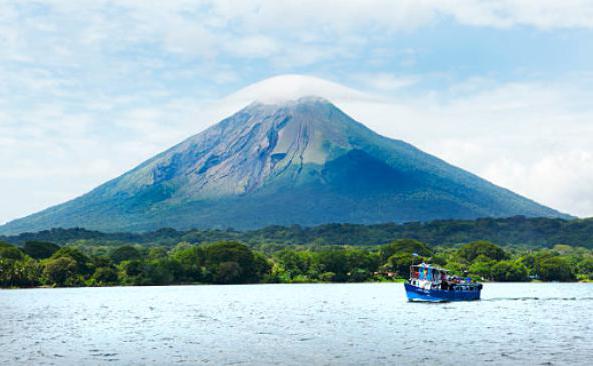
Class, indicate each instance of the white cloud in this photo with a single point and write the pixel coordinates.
(544, 14)
(65, 29)
(385, 82)
(563, 179)
(253, 46)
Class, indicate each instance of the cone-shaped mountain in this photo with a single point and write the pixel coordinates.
(299, 162)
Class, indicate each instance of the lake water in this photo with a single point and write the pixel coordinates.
(315, 324)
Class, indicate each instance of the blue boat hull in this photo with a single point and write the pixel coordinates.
(419, 294)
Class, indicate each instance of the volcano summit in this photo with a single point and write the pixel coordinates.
(300, 161)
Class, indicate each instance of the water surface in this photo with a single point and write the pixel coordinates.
(314, 324)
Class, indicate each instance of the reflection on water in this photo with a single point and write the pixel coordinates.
(349, 324)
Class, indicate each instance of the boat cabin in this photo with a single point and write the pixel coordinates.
(430, 277)
(427, 276)
(434, 284)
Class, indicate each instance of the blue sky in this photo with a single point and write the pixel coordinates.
(89, 89)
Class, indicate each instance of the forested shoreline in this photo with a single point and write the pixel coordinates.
(83, 263)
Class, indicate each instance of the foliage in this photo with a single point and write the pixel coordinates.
(105, 276)
(408, 246)
(10, 252)
(125, 253)
(40, 249)
(515, 231)
(83, 263)
(509, 271)
(61, 271)
(555, 269)
(233, 262)
(471, 251)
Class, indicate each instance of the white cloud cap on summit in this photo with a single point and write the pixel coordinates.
(284, 88)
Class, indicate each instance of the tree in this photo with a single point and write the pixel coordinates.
(336, 262)
(470, 251)
(105, 276)
(408, 246)
(585, 267)
(84, 265)
(227, 273)
(509, 271)
(294, 262)
(19, 273)
(191, 260)
(229, 251)
(263, 266)
(327, 277)
(125, 253)
(555, 269)
(401, 262)
(11, 252)
(40, 249)
(61, 271)
(157, 272)
(482, 268)
(359, 275)
(361, 259)
(157, 253)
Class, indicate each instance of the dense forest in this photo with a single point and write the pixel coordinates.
(516, 231)
(526, 249)
(38, 263)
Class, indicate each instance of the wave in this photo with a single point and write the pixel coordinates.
(534, 298)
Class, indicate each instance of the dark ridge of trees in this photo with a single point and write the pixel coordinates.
(40, 249)
(518, 231)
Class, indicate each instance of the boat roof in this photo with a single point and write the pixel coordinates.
(430, 266)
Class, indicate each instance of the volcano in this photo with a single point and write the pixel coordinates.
(297, 161)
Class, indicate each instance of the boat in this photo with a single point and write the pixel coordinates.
(430, 283)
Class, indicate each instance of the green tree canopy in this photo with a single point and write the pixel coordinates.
(295, 262)
(408, 246)
(509, 271)
(191, 260)
(19, 273)
(40, 249)
(555, 269)
(125, 253)
(228, 272)
(401, 262)
(83, 262)
(470, 251)
(105, 276)
(482, 268)
(61, 271)
(585, 266)
(11, 252)
(157, 252)
(334, 261)
(226, 252)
